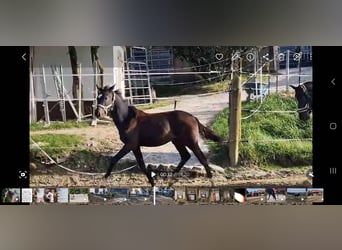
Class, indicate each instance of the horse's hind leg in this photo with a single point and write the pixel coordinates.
(139, 157)
(185, 155)
(201, 157)
(123, 151)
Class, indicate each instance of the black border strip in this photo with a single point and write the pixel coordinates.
(14, 67)
(325, 111)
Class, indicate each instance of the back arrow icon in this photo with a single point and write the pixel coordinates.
(333, 81)
(23, 57)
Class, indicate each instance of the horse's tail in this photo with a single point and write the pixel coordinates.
(208, 133)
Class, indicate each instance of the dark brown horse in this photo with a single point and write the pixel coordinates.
(137, 128)
(303, 93)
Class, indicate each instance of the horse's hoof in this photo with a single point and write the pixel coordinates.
(152, 183)
(209, 175)
(106, 176)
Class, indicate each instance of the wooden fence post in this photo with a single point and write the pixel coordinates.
(234, 119)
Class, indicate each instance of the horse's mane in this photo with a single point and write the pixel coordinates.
(309, 85)
(119, 92)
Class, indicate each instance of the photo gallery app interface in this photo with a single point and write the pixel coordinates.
(176, 125)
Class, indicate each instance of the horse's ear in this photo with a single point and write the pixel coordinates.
(111, 88)
(294, 87)
(99, 89)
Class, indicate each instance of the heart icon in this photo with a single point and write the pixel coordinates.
(218, 56)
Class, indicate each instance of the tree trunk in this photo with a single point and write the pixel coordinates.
(95, 58)
(76, 84)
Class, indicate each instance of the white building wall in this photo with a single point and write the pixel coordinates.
(118, 68)
(58, 55)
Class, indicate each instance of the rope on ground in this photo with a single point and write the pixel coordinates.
(74, 171)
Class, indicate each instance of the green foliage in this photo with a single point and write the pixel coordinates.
(266, 134)
(205, 55)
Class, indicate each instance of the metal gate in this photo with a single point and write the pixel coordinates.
(137, 78)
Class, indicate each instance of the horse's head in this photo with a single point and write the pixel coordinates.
(105, 101)
(303, 93)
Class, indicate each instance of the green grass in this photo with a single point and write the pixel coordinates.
(262, 130)
(69, 149)
(55, 145)
(58, 125)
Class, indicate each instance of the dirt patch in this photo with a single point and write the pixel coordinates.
(188, 178)
(102, 137)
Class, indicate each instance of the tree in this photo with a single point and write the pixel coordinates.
(76, 84)
(95, 59)
(209, 58)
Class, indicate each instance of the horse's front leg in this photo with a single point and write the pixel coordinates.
(138, 156)
(123, 151)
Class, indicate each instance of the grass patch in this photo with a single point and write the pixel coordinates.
(267, 133)
(55, 145)
(58, 125)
